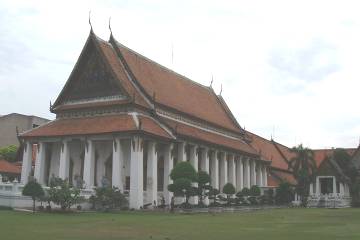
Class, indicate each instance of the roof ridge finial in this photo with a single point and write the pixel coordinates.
(110, 26)
(90, 21)
(221, 89)
(212, 80)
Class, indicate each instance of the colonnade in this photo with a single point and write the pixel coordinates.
(223, 166)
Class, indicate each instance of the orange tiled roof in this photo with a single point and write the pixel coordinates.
(176, 91)
(6, 167)
(321, 154)
(276, 177)
(212, 138)
(267, 150)
(285, 151)
(97, 125)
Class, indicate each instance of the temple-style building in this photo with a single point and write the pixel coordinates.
(127, 120)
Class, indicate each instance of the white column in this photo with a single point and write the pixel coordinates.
(239, 175)
(181, 152)
(117, 165)
(334, 185)
(252, 173)
(264, 176)
(247, 182)
(232, 170)
(317, 186)
(347, 190)
(194, 160)
(214, 170)
(194, 157)
(311, 190)
(40, 163)
(64, 160)
(26, 163)
(136, 173)
(204, 165)
(342, 189)
(151, 181)
(168, 166)
(223, 170)
(89, 164)
(260, 173)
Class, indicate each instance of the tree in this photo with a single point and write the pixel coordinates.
(303, 167)
(62, 194)
(183, 175)
(9, 153)
(343, 159)
(181, 188)
(34, 190)
(203, 180)
(229, 190)
(184, 170)
(284, 194)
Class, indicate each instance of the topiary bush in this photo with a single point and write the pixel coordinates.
(255, 191)
(229, 190)
(34, 190)
(245, 191)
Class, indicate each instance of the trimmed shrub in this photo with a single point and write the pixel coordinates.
(255, 191)
(245, 191)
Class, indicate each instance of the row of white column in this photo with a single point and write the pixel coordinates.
(343, 187)
(136, 167)
(225, 167)
(222, 166)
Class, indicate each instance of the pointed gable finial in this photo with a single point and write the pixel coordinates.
(110, 25)
(221, 89)
(91, 28)
(212, 80)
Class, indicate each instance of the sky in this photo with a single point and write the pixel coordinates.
(288, 69)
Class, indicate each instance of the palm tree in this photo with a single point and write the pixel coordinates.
(303, 167)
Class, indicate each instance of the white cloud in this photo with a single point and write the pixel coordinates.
(288, 68)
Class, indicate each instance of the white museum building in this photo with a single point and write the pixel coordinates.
(125, 120)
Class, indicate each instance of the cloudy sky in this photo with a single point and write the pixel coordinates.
(289, 69)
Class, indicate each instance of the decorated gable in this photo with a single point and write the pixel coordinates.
(91, 80)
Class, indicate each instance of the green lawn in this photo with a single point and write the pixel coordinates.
(319, 224)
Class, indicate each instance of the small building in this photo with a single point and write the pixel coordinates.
(331, 185)
(9, 171)
(13, 122)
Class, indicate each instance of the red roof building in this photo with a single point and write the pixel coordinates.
(124, 119)
(9, 171)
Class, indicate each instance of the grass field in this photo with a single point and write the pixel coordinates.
(319, 224)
